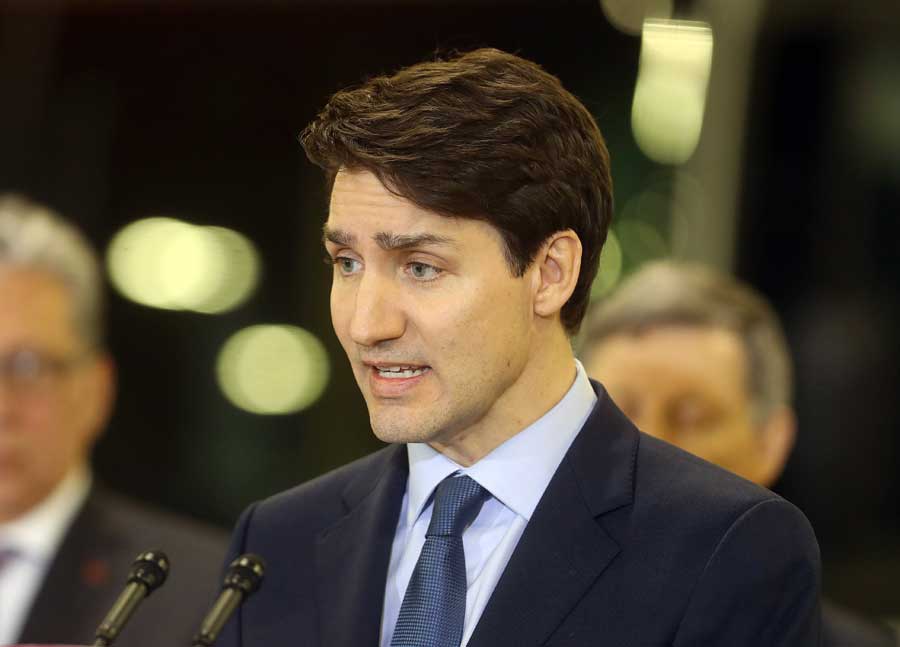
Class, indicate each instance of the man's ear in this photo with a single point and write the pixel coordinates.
(778, 435)
(99, 395)
(558, 263)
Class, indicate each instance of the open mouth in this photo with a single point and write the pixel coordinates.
(400, 372)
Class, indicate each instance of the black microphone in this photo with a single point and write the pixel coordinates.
(244, 576)
(148, 572)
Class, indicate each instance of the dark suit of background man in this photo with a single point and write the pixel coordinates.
(66, 543)
(470, 199)
(699, 359)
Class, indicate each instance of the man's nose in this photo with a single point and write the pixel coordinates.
(378, 314)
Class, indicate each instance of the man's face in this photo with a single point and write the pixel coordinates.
(54, 394)
(437, 329)
(688, 386)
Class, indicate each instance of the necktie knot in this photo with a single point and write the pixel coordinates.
(457, 501)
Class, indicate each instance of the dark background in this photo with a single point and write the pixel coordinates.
(114, 112)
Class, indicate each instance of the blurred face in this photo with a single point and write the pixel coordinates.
(438, 331)
(54, 394)
(686, 385)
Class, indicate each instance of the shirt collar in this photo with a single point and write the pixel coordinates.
(38, 532)
(517, 472)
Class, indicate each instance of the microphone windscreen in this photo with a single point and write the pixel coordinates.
(150, 569)
(245, 573)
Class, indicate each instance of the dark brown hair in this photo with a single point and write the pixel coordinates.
(483, 135)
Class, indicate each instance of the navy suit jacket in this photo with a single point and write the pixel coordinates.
(89, 570)
(635, 543)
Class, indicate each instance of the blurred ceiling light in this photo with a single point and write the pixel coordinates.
(188, 264)
(272, 369)
(670, 95)
(610, 267)
(167, 263)
(132, 259)
(628, 15)
(239, 273)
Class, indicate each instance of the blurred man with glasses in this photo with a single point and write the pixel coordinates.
(66, 544)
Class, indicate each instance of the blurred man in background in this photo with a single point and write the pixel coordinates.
(700, 360)
(66, 544)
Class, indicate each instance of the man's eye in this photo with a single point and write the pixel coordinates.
(347, 265)
(423, 271)
(693, 417)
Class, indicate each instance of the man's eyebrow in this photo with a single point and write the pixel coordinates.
(389, 241)
(338, 236)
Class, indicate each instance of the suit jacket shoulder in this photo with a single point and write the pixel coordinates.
(318, 503)
(634, 543)
(327, 544)
(746, 563)
(690, 497)
(90, 567)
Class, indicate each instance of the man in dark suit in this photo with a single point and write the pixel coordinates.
(66, 544)
(516, 506)
(87, 575)
(700, 360)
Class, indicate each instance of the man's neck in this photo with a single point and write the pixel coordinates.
(542, 384)
(41, 528)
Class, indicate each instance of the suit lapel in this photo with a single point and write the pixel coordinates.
(75, 593)
(564, 549)
(352, 556)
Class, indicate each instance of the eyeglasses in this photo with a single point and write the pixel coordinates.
(28, 371)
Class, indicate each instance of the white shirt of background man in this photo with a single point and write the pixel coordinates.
(34, 539)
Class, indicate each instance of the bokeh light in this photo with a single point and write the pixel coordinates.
(272, 369)
(610, 267)
(168, 263)
(188, 263)
(132, 259)
(238, 275)
(670, 95)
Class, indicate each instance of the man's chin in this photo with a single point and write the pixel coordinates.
(392, 434)
(394, 421)
(400, 428)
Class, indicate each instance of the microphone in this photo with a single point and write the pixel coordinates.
(244, 576)
(148, 572)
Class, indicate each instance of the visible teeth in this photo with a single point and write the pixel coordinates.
(396, 372)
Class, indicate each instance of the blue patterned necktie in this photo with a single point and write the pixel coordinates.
(434, 607)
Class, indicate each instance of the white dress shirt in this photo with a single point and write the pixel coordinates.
(34, 539)
(516, 474)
